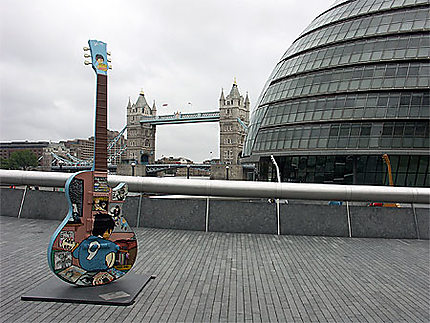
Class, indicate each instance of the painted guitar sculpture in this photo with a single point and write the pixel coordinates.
(94, 245)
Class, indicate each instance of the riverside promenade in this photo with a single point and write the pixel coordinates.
(233, 277)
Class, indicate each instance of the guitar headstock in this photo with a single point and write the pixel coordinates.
(99, 56)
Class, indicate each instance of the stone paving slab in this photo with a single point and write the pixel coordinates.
(225, 277)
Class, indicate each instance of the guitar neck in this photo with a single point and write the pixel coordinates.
(100, 138)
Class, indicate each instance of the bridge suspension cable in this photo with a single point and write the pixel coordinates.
(113, 153)
(115, 140)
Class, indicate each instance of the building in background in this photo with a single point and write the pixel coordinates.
(232, 133)
(233, 124)
(352, 87)
(140, 137)
(37, 147)
(69, 152)
(83, 149)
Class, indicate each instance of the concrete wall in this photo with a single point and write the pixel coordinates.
(423, 218)
(238, 216)
(45, 205)
(37, 204)
(10, 201)
(313, 220)
(376, 222)
(173, 214)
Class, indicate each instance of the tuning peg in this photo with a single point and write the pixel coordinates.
(87, 62)
(108, 52)
(86, 48)
(109, 60)
(110, 67)
(87, 55)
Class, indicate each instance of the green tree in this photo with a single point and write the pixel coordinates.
(22, 159)
(4, 163)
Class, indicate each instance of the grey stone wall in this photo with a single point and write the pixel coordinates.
(173, 214)
(10, 201)
(245, 217)
(45, 205)
(37, 204)
(314, 220)
(382, 222)
(130, 208)
(297, 218)
(423, 217)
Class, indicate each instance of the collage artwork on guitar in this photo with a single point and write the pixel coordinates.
(94, 245)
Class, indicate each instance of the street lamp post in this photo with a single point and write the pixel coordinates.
(188, 171)
(277, 200)
(133, 165)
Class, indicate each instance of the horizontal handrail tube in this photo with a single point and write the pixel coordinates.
(245, 189)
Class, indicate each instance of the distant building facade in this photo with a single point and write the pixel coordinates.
(83, 149)
(37, 147)
(353, 86)
(80, 148)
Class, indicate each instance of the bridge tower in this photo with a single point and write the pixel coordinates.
(232, 133)
(140, 137)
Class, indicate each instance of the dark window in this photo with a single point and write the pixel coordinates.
(334, 130)
(365, 130)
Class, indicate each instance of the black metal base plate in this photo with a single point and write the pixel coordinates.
(121, 292)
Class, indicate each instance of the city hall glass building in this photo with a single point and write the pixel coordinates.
(352, 87)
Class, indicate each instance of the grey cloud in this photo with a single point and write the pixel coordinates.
(178, 52)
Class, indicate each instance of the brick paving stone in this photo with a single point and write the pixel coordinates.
(229, 277)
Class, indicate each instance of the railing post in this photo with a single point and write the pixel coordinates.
(348, 214)
(22, 201)
(278, 216)
(139, 207)
(417, 229)
(207, 215)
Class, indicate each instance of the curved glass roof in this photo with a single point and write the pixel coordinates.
(361, 67)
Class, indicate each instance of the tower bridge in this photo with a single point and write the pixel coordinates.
(142, 121)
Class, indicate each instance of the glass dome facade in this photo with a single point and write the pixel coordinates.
(353, 86)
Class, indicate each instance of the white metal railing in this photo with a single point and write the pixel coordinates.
(234, 188)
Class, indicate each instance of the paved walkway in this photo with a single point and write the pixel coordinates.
(213, 277)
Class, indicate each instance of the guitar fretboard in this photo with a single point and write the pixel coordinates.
(100, 146)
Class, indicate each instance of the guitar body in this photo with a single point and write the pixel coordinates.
(94, 245)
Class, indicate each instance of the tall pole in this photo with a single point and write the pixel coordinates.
(277, 200)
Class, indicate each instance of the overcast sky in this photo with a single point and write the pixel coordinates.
(176, 51)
